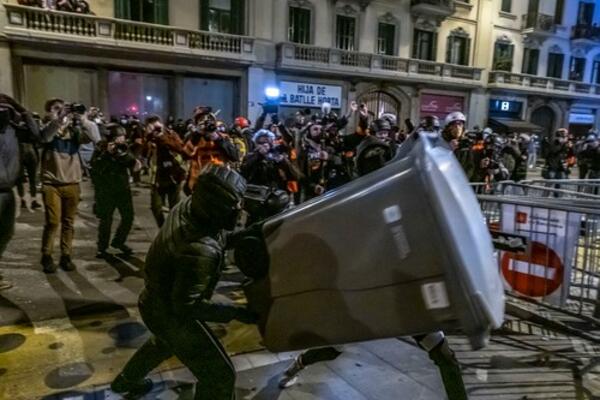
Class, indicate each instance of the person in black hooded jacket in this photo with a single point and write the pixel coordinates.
(182, 269)
(11, 115)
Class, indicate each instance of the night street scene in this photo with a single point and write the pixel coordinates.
(300, 199)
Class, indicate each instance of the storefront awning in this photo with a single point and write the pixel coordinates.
(505, 125)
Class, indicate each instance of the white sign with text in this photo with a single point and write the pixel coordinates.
(300, 94)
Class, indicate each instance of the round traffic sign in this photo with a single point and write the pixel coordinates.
(535, 274)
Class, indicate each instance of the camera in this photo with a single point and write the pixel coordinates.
(76, 108)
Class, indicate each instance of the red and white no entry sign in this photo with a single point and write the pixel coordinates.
(537, 274)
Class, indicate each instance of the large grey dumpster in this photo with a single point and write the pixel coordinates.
(401, 251)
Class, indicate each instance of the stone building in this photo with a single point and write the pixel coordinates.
(515, 65)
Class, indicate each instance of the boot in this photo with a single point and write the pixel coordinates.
(449, 368)
(48, 264)
(129, 389)
(66, 263)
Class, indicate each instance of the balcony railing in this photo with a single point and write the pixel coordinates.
(25, 20)
(438, 3)
(539, 22)
(584, 31)
(540, 83)
(311, 57)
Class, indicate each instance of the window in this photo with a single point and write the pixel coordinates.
(457, 51)
(596, 73)
(424, 45)
(225, 16)
(506, 6)
(299, 25)
(585, 13)
(530, 61)
(577, 68)
(558, 11)
(152, 11)
(533, 6)
(386, 34)
(503, 57)
(345, 32)
(555, 65)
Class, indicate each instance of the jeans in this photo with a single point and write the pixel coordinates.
(60, 203)
(7, 218)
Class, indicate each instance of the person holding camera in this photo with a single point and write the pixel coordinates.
(168, 153)
(63, 133)
(11, 114)
(268, 165)
(111, 164)
(207, 144)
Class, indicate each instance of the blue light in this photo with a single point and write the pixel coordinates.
(272, 93)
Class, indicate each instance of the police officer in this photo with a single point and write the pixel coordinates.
(183, 267)
(111, 163)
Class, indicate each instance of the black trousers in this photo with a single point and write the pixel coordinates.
(192, 342)
(7, 218)
(160, 197)
(106, 204)
(29, 159)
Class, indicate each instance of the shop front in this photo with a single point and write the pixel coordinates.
(505, 116)
(440, 105)
(581, 121)
(139, 93)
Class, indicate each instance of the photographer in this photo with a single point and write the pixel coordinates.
(207, 144)
(268, 165)
(314, 158)
(168, 150)
(11, 114)
(63, 133)
(111, 164)
(556, 151)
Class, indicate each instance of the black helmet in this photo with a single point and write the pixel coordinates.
(372, 154)
(218, 196)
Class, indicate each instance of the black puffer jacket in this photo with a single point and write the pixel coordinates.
(184, 265)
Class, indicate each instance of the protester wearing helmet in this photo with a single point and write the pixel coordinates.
(183, 266)
(454, 134)
(556, 153)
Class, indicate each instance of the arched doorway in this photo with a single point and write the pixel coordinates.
(380, 102)
(544, 117)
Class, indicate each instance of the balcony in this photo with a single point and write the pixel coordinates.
(436, 9)
(294, 56)
(39, 25)
(539, 25)
(532, 84)
(585, 34)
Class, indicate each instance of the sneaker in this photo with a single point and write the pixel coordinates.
(35, 205)
(23, 204)
(290, 376)
(67, 264)
(130, 390)
(48, 264)
(123, 248)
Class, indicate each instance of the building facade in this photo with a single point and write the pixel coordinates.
(509, 64)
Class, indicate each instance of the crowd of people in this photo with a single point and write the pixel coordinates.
(199, 172)
(300, 158)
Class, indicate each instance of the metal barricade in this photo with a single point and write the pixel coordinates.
(591, 186)
(534, 189)
(559, 230)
